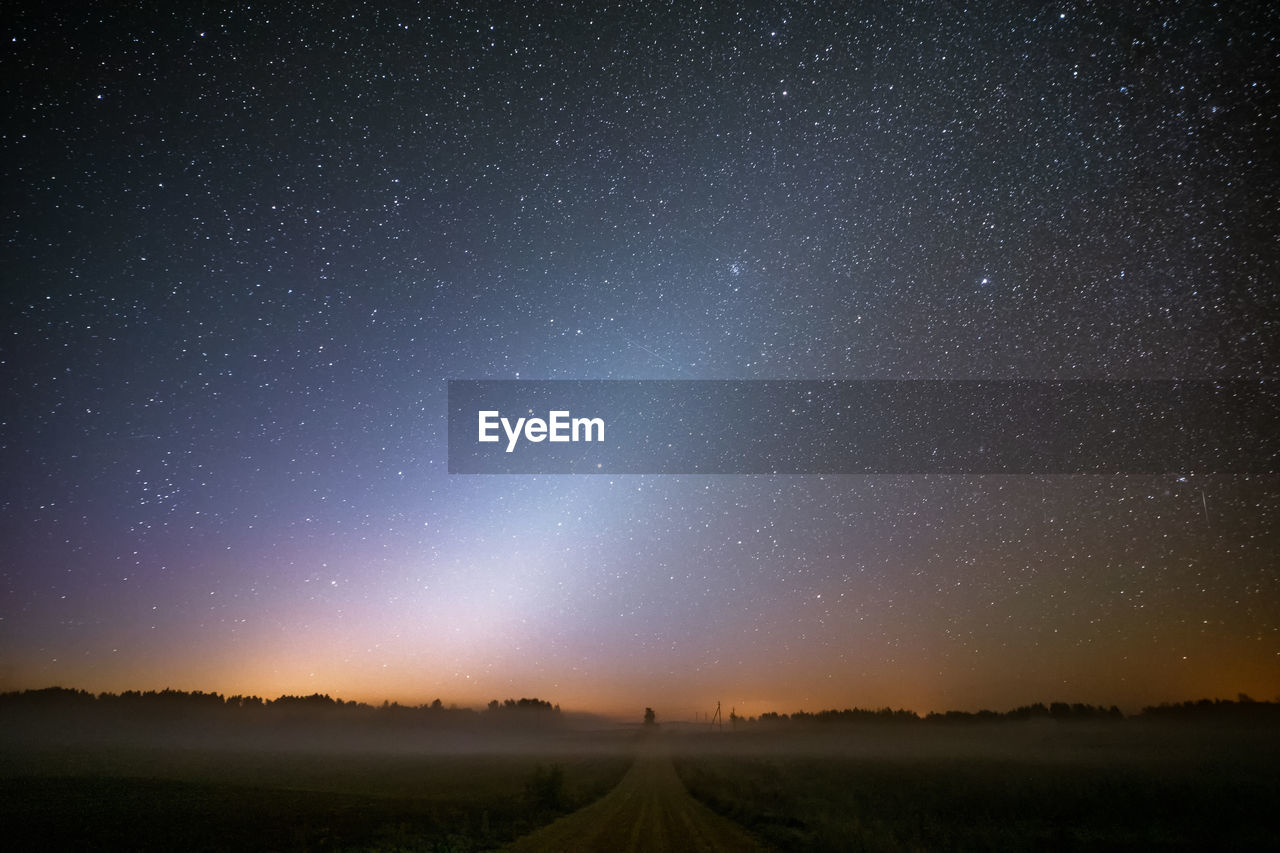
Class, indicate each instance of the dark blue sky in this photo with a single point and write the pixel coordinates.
(245, 249)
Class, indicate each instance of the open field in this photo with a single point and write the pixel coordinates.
(189, 799)
(1139, 784)
(1131, 786)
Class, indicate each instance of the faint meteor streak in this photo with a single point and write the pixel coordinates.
(658, 356)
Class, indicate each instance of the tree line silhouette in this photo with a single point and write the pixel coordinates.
(1054, 711)
(1242, 708)
(81, 711)
(54, 705)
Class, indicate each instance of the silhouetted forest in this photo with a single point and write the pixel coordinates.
(164, 701)
(62, 713)
(132, 708)
(1242, 708)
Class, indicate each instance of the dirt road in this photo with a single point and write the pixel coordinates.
(650, 810)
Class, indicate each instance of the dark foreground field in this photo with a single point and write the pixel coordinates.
(1005, 786)
(195, 800)
(1039, 785)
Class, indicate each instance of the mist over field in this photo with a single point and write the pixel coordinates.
(208, 721)
(167, 770)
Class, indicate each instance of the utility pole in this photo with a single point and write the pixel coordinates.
(716, 719)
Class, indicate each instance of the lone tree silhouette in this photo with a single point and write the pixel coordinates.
(649, 716)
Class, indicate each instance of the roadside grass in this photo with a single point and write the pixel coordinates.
(882, 803)
(156, 799)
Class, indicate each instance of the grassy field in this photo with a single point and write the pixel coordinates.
(123, 798)
(1006, 786)
(1124, 788)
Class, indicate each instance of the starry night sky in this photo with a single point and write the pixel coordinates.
(245, 249)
